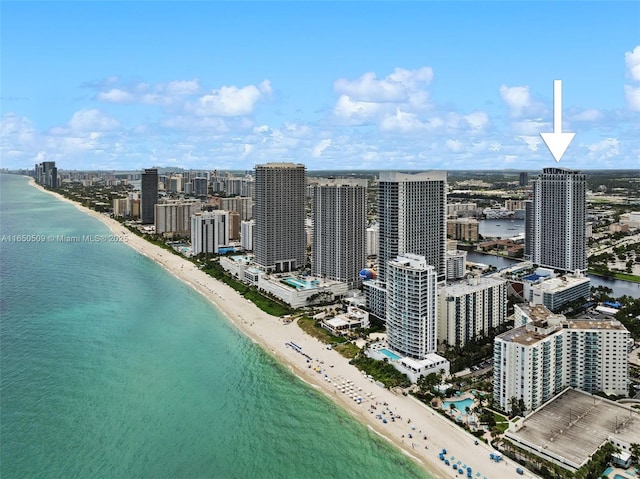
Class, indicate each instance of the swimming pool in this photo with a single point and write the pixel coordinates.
(301, 284)
(461, 404)
(389, 354)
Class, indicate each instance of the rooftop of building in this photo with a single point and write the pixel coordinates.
(543, 326)
(396, 176)
(281, 165)
(527, 335)
(476, 283)
(411, 261)
(241, 258)
(575, 424)
(346, 182)
(594, 324)
(562, 282)
(463, 220)
(556, 170)
(537, 312)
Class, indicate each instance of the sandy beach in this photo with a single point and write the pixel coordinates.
(410, 425)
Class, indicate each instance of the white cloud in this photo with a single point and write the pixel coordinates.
(478, 120)
(356, 112)
(607, 148)
(632, 92)
(587, 115)
(320, 147)
(632, 95)
(402, 121)
(517, 98)
(531, 127)
(116, 95)
(454, 146)
(17, 130)
(230, 100)
(162, 94)
(183, 87)
(532, 142)
(92, 120)
(397, 87)
(632, 59)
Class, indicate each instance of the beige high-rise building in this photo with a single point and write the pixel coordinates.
(234, 226)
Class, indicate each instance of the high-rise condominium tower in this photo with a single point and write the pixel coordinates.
(558, 220)
(279, 241)
(412, 217)
(339, 224)
(46, 174)
(411, 306)
(149, 195)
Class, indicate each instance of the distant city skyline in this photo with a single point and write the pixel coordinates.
(333, 85)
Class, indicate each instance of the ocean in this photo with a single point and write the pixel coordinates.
(112, 368)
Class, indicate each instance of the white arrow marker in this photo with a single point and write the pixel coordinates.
(557, 142)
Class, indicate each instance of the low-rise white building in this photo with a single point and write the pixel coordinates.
(554, 292)
(631, 219)
(413, 368)
(298, 292)
(354, 318)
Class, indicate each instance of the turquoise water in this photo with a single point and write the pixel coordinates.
(390, 355)
(461, 405)
(112, 368)
(301, 284)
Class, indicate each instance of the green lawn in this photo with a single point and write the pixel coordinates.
(311, 327)
(348, 350)
(622, 276)
(502, 423)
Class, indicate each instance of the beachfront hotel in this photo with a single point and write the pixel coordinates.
(339, 212)
(209, 231)
(548, 353)
(279, 237)
(411, 306)
(148, 195)
(557, 220)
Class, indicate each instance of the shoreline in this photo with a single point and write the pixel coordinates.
(329, 372)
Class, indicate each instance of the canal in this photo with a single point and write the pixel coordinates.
(619, 287)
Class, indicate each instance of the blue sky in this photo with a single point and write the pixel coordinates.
(359, 85)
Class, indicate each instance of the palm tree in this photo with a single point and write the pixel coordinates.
(635, 451)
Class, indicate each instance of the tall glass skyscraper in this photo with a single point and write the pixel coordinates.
(279, 240)
(412, 218)
(339, 213)
(148, 195)
(557, 220)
